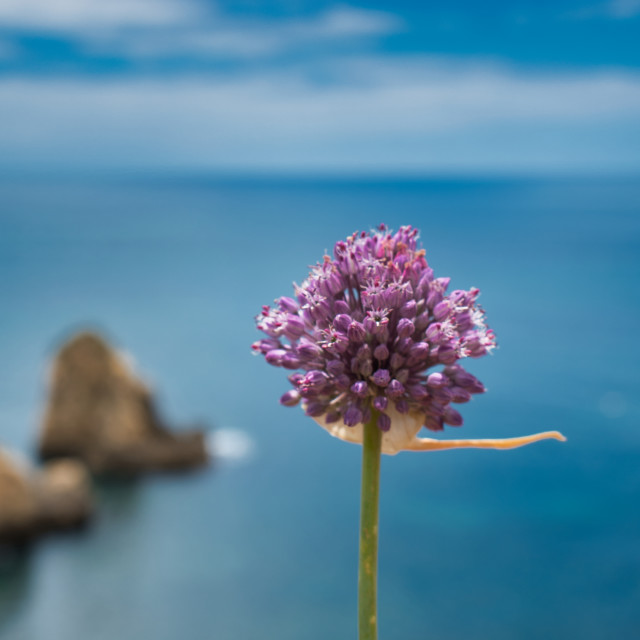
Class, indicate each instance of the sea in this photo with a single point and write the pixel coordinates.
(538, 542)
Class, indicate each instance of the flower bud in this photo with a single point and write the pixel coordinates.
(315, 409)
(290, 398)
(409, 309)
(381, 352)
(296, 379)
(475, 349)
(265, 345)
(366, 368)
(452, 417)
(315, 380)
(405, 328)
(294, 327)
(459, 395)
(441, 310)
(364, 353)
(288, 304)
(337, 343)
(384, 422)
(442, 394)
(340, 306)
(275, 356)
(423, 283)
(434, 297)
(356, 332)
(459, 297)
(360, 388)
(437, 380)
(422, 321)
(434, 333)
(434, 409)
(433, 424)
(331, 284)
(403, 345)
(446, 354)
(395, 389)
(380, 403)
(417, 391)
(381, 377)
(291, 361)
(341, 322)
(382, 333)
(369, 324)
(419, 351)
(352, 416)
(335, 367)
(468, 381)
(308, 350)
(343, 381)
(464, 322)
(402, 406)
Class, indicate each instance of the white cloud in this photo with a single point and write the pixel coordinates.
(165, 28)
(419, 113)
(613, 9)
(79, 15)
(347, 21)
(234, 38)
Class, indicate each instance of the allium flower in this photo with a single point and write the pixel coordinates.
(375, 342)
(375, 333)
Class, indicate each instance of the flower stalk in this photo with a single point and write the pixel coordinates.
(369, 509)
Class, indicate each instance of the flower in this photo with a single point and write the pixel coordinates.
(376, 334)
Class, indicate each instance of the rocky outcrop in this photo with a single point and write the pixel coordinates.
(63, 490)
(100, 412)
(34, 502)
(18, 501)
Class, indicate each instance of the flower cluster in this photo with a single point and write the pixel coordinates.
(368, 327)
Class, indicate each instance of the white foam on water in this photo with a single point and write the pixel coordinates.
(229, 443)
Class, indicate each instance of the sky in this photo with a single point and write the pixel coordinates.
(300, 86)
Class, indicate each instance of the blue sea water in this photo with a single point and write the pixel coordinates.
(540, 542)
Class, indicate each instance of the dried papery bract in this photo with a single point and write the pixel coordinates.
(375, 344)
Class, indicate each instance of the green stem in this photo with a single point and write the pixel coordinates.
(369, 500)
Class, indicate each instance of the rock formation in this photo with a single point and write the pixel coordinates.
(100, 412)
(63, 489)
(34, 502)
(18, 502)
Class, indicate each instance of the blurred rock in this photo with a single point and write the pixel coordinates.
(100, 412)
(63, 488)
(18, 500)
(34, 502)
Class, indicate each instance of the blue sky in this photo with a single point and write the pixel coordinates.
(296, 86)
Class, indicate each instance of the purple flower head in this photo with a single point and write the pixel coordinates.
(367, 328)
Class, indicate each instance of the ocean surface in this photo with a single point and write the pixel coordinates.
(540, 542)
